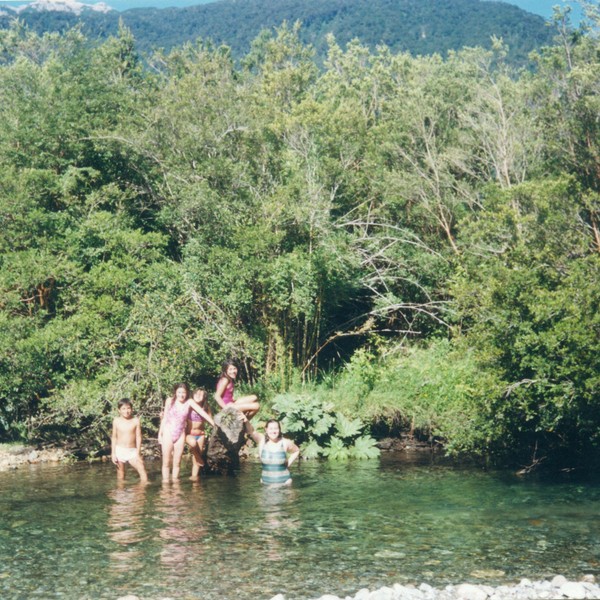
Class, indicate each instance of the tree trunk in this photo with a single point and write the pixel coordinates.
(225, 443)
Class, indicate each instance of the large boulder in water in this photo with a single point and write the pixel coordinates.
(226, 441)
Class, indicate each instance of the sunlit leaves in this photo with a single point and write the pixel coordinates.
(364, 448)
(159, 216)
(532, 254)
(321, 431)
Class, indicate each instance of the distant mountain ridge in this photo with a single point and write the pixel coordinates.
(65, 6)
(416, 26)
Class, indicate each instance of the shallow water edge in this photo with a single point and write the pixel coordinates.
(410, 525)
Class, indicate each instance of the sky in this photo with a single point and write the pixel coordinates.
(539, 7)
(544, 7)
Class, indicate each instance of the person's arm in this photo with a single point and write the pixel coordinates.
(257, 437)
(113, 442)
(294, 451)
(138, 436)
(221, 386)
(162, 420)
(195, 406)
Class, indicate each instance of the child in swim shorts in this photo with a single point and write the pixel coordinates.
(126, 441)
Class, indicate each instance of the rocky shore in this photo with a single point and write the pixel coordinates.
(13, 456)
(558, 588)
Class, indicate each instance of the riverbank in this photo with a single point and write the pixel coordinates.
(558, 588)
(14, 456)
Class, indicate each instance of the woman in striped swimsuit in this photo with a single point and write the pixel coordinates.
(276, 453)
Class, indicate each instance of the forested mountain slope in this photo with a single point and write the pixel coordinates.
(412, 241)
(417, 26)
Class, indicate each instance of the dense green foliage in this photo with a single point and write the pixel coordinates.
(322, 429)
(398, 241)
(415, 26)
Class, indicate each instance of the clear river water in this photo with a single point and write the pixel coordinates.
(74, 532)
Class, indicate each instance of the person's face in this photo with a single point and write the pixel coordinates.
(199, 396)
(125, 411)
(273, 431)
(231, 371)
(180, 394)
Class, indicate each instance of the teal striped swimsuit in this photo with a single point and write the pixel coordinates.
(274, 458)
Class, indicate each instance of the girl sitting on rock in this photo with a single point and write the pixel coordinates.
(224, 395)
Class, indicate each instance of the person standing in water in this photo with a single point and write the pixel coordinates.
(248, 405)
(276, 453)
(171, 435)
(126, 441)
(196, 436)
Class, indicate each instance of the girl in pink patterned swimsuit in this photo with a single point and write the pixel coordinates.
(224, 395)
(171, 434)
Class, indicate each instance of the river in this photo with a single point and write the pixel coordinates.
(74, 532)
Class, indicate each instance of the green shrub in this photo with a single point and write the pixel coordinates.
(320, 430)
(437, 391)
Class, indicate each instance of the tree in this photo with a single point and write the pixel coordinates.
(528, 299)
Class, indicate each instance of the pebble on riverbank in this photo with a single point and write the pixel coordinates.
(559, 588)
(13, 456)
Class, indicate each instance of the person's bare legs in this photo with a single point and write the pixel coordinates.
(196, 448)
(201, 442)
(120, 470)
(167, 455)
(138, 464)
(249, 405)
(177, 454)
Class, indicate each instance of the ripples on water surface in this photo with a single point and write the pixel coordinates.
(73, 532)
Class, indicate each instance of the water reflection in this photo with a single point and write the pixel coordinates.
(280, 520)
(126, 525)
(175, 531)
(338, 528)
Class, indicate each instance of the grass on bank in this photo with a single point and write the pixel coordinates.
(437, 392)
